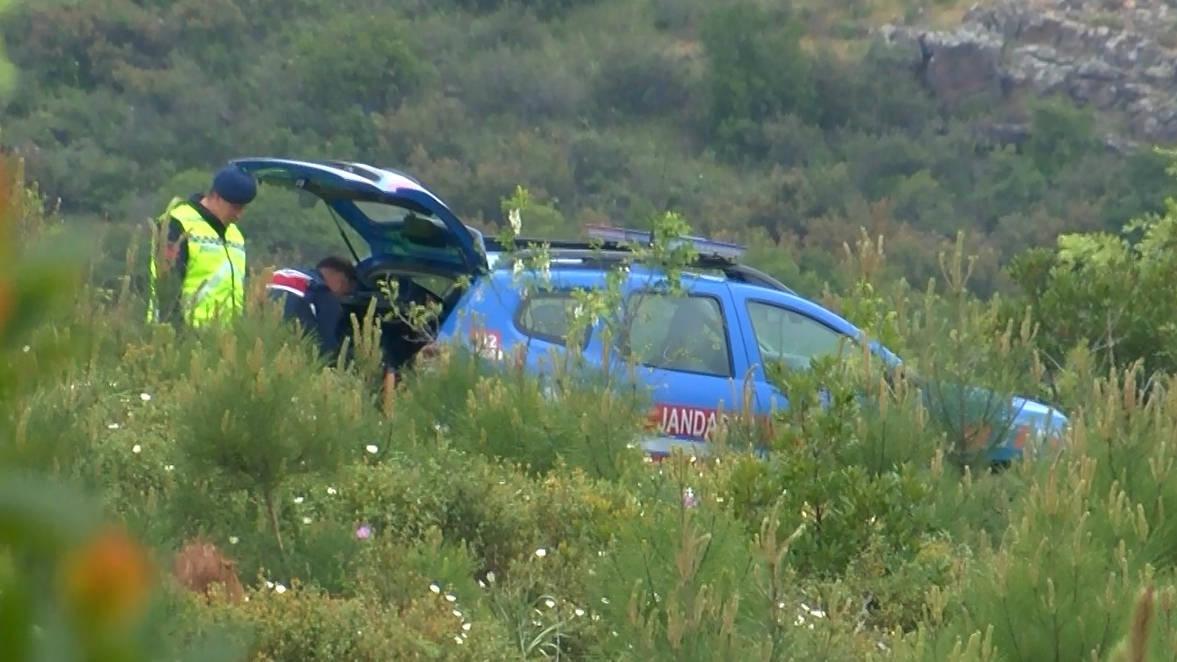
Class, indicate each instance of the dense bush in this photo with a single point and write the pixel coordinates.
(496, 515)
(1107, 294)
(757, 72)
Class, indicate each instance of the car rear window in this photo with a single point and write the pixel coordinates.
(547, 316)
(401, 232)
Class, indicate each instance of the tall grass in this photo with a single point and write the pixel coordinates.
(491, 517)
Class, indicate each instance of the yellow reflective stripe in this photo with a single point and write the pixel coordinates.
(214, 280)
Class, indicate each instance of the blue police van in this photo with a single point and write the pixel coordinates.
(698, 352)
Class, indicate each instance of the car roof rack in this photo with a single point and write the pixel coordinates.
(703, 246)
(620, 240)
(613, 245)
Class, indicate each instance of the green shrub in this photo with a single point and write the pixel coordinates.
(381, 61)
(1108, 293)
(574, 416)
(257, 408)
(501, 513)
(635, 80)
(303, 623)
(757, 71)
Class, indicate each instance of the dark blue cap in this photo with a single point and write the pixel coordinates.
(235, 185)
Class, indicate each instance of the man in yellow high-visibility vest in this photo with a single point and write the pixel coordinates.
(196, 277)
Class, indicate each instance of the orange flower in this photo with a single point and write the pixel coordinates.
(108, 579)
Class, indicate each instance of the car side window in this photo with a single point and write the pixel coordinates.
(547, 316)
(686, 333)
(790, 337)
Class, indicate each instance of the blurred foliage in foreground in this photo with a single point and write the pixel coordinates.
(486, 518)
(75, 584)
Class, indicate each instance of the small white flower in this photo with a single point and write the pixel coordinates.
(578, 611)
(145, 397)
(459, 639)
(298, 499)
(466, 627)
(451, 597)
(112, 426)
(332, 491)
(550, 603)
(457, 613)
(813, 612)
(490, 576)
(306, 520)
(169, 467)
(371, 448)
(435, 588)
(136, 448)
(516, 221)
(269, 584)
(279, 589)
(233, 540)
(26, 349)
(604, 601)
(541, 552)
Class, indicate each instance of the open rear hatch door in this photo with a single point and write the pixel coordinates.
(399, 218)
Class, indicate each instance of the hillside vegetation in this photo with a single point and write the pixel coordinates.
(486, 515)
(786, 126)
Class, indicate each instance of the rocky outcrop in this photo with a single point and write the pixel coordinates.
(1115, 55)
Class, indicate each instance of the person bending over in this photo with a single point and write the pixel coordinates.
(313, 298)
